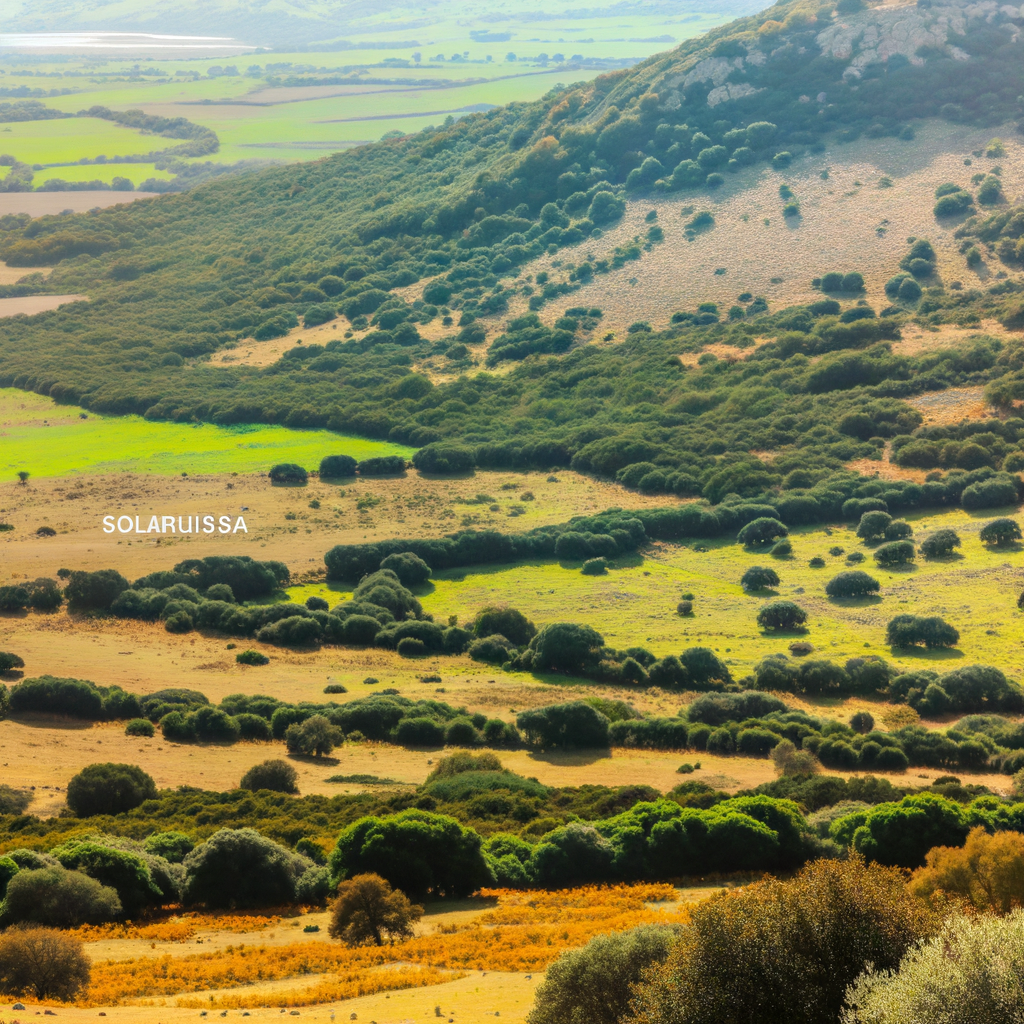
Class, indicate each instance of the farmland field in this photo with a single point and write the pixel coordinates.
(277, 105)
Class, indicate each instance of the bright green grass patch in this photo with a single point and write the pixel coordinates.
(636, 602)
(68, 140)
(135, 173)
(48, 439)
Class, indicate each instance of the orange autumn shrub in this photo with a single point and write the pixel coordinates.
(526, 931)
(179, 928)
(987, 871)
(347, 985)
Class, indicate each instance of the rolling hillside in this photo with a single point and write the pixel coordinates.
(400, 236)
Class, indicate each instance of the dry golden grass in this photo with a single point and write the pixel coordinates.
(838, 229)
(411, 505)
(521, 931)
(32, 304)
(12, 275)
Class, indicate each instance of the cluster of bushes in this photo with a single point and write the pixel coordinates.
(96, 878)
(42, 594)
(972, 689)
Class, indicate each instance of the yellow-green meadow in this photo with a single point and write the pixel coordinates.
(46, 439)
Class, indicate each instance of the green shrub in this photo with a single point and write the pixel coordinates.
(416, 851)
(75, 698)
(126, 872)
(240, 868)
(940, 544)
(174, 847)
(275, 775)
(505, 621)
(58, 898)
(9, 662)
(897, 552)
(970, 969)
(288, 473)
(108, 789)
(911, 630)
(781, 615)
(411, 647)
(1000, 532)
(574, 724)
(853, 583)
(316, 737)
(410, 569)
(94, 591)
(595, 567)
(761, 531)
(336, 467)
(139, 727)
(759, 578)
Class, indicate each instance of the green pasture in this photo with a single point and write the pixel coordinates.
(635, 603)
(135, 173)
(65, 140)
(53, 440)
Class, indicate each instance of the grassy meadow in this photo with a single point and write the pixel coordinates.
(51, 441)
(634, 603)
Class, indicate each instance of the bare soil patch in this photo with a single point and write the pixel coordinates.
(847, 222)
(41, 204)
(953, 406)
(12, 275)
(29, 305)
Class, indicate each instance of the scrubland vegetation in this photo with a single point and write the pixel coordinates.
(828, 624)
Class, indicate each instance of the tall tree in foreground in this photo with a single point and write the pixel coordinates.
(784, 951)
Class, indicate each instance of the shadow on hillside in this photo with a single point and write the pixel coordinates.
(41, 720)
(928, 654)
(571, 758)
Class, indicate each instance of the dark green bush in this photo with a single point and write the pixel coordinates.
(336, 467)
(239, 868)
(139, 727)
(594, 983)
(852, 583)
(251, 658)
(897, 552)
(574, 724)
(940, 544)
(276, 775)
(58, 898)
(759, 578)
(94, 591)
(416, 851)
(910, 630)
(108, 789)
(781, 615)
(288, 473)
